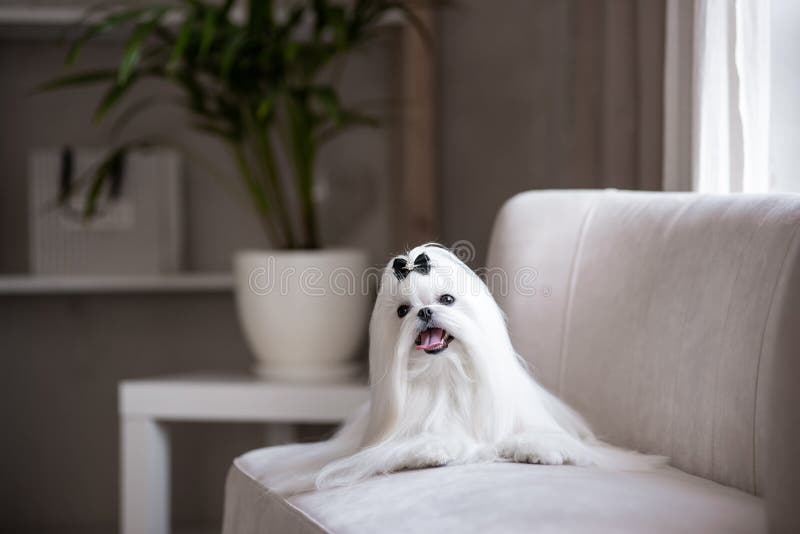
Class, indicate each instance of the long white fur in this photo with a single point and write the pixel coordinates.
(473, 402)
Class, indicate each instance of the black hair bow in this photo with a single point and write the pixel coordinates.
(422, 264)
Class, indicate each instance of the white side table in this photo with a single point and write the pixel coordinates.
(145, 405)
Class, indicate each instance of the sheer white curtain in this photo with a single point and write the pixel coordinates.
(717, 94)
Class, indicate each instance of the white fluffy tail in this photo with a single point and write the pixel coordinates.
(301, 465)
(567, 418)
(294, 468)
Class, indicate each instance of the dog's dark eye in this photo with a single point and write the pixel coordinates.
(447, 300)
(402, 310)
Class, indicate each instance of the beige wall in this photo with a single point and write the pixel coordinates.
(545, 94)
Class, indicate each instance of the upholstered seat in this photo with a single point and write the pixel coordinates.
(501, 497)
(671, 321)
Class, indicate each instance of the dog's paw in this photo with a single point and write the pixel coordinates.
(544, 448)
(432, 453)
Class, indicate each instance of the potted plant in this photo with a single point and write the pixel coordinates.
(255, 79)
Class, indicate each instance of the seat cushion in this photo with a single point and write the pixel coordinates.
(497, 497)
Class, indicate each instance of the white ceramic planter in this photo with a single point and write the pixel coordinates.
(304, 313)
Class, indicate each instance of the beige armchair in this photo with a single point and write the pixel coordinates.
(671, 321)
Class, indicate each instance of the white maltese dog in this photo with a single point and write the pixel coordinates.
(447, 387)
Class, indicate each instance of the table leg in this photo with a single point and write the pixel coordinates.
(145, 473)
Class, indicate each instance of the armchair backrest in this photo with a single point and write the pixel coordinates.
(670, 320)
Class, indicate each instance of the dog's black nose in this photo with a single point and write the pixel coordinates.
(425, 314)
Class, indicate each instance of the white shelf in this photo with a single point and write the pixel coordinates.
(62, 15)
(44, 15)
(54, 285)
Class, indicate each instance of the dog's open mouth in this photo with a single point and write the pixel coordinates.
(433, 340)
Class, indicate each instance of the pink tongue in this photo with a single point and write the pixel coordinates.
(431, 339)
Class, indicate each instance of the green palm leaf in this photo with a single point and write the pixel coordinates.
(112, 97)
(133, 48)
(106, 25)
